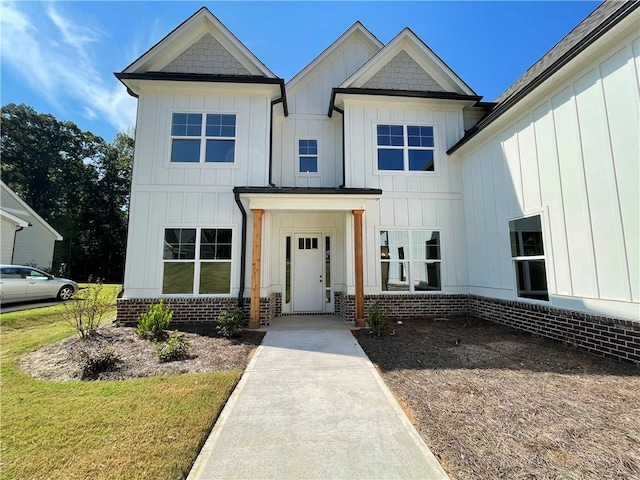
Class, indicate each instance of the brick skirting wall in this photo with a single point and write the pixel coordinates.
(604, 336)
(406, 306)
(196, 310)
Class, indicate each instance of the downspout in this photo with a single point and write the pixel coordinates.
(243, 249)
(341, 112)
(13, 251)
(283, 100)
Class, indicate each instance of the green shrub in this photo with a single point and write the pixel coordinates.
(378, 319)
(230, 321)
(94, 363)
(153, 323)
(87, 309)
(175, 348)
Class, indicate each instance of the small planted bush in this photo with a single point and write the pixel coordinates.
(230, 321)
(153, 323)
(86, 311)
(378, 319)
(175, 348)
(94, 363)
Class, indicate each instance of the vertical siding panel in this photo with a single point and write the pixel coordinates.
(575, 199)
(415, 212)
(601, 188)
(447, 240)
(620, 83)
(480, 239)
(154, 237)
(208, 212)
(469, 218)
(551, 194)
(490, 219)
(512, 157)
(458, 247)
(191, 213)
(386, 211)
(430, 213)
(401, 212)
(503, 197)
(139, 235)
(528, 164)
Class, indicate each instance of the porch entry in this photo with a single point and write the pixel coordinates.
(311, 267)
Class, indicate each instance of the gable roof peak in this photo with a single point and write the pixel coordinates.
(406, 40)
(176, 42)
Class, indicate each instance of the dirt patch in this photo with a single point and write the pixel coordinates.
(492, 402)
(61, 361)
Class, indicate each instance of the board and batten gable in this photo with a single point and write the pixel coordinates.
(568, 152)
(172, 195)
(308, 97)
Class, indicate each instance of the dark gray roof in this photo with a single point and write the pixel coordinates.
(601, 20)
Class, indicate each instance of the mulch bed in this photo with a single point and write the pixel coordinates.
(492, 402)
(62, 361)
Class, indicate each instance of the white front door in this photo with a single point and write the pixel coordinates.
(308, 268)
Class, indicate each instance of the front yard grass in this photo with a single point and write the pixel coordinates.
(492, 402)
(140, 428)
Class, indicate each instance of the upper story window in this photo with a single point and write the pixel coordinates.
(405, 147)
(308, 156)
(527, 253)
(198, 138)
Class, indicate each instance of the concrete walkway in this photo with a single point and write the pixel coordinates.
(310, 405)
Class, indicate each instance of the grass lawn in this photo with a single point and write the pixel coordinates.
(141, 428)
(492, 402)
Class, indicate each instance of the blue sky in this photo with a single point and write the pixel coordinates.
(59, 57)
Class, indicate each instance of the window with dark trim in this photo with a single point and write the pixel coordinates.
(197, 261)
(200, 138)
(405, 147)
(527, 253)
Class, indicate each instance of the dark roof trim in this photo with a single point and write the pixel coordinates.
(206, 78)
(579, 47)
(399, 93)
(308, 191)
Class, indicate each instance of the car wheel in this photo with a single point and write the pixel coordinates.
(65, 293)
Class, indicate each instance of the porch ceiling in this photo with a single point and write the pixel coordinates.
(292, 198)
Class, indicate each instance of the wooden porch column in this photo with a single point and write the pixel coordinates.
(256, 260)
(357, 240)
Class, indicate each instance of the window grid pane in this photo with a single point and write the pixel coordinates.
(186, 124)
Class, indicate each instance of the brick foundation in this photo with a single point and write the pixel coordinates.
(601, 335)
(405, 306)
(196, 309)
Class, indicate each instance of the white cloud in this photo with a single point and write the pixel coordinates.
(55, 56)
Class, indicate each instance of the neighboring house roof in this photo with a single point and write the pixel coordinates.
(24, 212)
(408, 47)
(19, 222)
(357, 30)
(596, 24)
(201, 27)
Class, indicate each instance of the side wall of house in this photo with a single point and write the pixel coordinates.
(181, 195)
(34, 246)
(7, 231)
(569, 154)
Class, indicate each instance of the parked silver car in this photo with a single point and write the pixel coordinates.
(20, 284)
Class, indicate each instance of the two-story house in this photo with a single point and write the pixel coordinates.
(378, 174)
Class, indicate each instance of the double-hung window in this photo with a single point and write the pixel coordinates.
(203, 138)
(527, 253)
(197, 261)
(405, 147)
(308, 156)
(410, 260)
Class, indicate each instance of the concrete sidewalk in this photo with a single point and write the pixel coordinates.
(310, 405)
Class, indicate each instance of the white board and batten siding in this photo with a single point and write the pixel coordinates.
(410, 200)
(183, 195)
(308, 101)
(572, 155)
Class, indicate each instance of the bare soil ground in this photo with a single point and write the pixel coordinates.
(62, 361)
(492, 402)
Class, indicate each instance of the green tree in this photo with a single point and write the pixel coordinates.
(76, 181)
